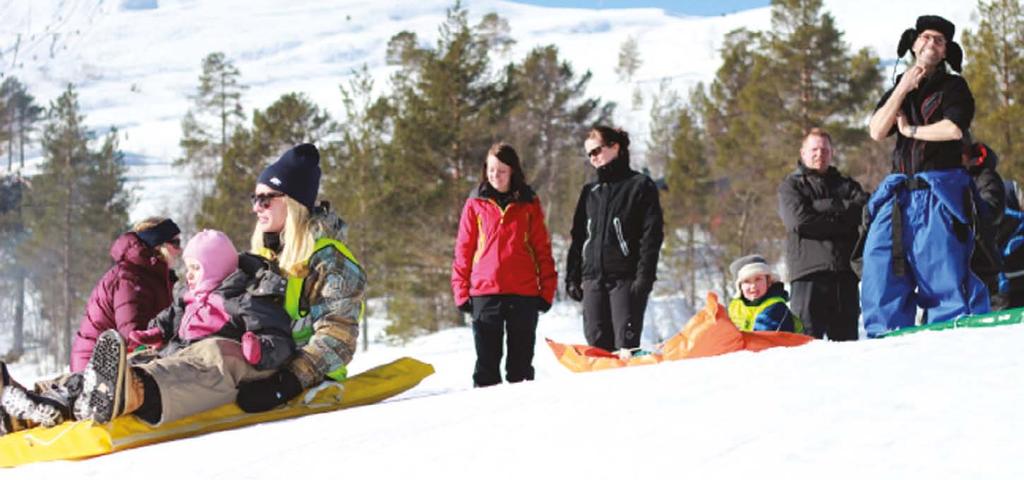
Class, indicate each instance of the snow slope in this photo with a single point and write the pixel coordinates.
(937, 405)
(136, 61)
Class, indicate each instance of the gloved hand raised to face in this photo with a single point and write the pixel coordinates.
(268, 393)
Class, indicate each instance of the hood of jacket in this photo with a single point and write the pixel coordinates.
(982, 158)
(326, 223)
(128, 248)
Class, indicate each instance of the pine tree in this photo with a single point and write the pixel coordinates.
(291, 120)
(445, 103)
(208, 125)
(629, 59)
(20, 114)
(77, 206)
(772, 87)
(664, 126)
(546, 125)
(995, 71)
(12, 274)
(687, 175)
(355, 180)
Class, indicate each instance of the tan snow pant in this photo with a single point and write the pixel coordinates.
(202, 376)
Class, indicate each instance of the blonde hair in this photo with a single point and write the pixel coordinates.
(297, 240)
(148, 223)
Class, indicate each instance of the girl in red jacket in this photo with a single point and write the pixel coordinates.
(503, 273)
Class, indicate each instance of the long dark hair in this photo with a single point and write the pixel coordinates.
(608, 135)
(507, 155)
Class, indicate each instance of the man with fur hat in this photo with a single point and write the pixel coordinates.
(761, 298)
(918, 247)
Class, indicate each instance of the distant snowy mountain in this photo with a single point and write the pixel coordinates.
(136, 61)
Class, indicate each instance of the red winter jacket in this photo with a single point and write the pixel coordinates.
(132, 292)
(504, 252)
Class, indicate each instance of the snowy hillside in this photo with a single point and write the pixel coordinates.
(936, 405)
(136, 61)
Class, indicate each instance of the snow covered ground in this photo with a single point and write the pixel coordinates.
(937, 405)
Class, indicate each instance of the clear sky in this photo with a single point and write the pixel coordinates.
(682, 7)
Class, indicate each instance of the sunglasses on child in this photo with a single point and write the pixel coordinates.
(174, 242)
(264, 199)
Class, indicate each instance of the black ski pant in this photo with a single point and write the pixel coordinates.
(493, 316)
(828, 303)
(613, 317)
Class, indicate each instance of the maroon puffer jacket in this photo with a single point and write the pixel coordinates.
(132, 292)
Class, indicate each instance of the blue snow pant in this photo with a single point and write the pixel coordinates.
(918, 252)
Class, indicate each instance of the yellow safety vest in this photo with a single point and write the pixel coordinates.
(744, 315)
(302, 329)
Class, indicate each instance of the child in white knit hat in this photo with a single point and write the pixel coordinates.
(761, 298)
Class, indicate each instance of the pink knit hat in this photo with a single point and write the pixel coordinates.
(214, 251)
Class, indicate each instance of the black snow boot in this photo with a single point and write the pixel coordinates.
(103, 386)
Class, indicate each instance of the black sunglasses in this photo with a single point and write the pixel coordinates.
(175, 242)
(597, 150)
(264, 199)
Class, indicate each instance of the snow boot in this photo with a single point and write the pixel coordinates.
(30, 407)
(5, 420)
(8, 422)
(104, 381)
(64, 390)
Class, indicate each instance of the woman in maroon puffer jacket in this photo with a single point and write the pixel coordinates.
(134, 290)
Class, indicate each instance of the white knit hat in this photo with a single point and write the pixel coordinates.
(750, 266)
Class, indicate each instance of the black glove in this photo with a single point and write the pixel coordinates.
(270, 392)
(574, 291)
(542, 305)
(467, 307)
(640, 287)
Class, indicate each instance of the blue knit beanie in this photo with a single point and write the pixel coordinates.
(159, 233)
(296, 174)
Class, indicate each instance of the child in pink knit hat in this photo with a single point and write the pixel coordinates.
(229, 295)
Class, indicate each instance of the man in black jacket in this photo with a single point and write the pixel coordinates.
(821, 209)
(616, 239)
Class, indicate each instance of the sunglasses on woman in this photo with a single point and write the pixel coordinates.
(264, 199)
(597, 150)
(174, 242)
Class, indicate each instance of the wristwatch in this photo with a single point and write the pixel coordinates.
(913, 131)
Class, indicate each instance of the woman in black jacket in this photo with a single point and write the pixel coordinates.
(616, 238)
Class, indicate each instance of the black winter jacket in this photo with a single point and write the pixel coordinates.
(253, 297)
(987, 259)
(942, 96)
(617, 229)
(821, 213)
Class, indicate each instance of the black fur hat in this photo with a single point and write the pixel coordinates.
(954, 54)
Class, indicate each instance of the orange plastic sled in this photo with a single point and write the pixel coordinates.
(708, 333)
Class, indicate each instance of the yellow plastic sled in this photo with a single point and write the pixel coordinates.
(76, 440)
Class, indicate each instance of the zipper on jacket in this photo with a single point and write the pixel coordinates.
(586, 242)
(622, 241)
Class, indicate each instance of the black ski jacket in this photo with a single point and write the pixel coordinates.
(617, 229)
(939, 97)
(821, 213)
(987, 259)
